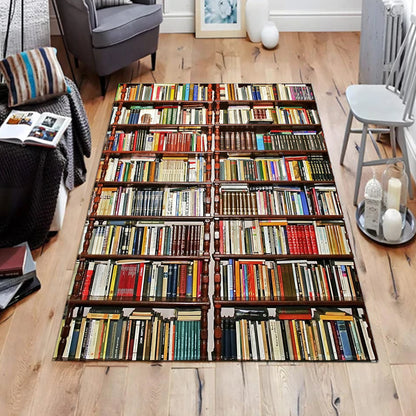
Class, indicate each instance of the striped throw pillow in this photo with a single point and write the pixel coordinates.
(101, 4)
(33, 76)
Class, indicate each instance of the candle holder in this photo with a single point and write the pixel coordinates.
(395, 185)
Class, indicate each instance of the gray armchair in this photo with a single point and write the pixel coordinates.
(108, 39)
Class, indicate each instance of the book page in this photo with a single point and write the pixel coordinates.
(48, 128)
(18, 124)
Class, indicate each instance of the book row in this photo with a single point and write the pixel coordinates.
(137, 114)
(284, 168)
(140, 336)
(342, 339)
(151, 201)
(243, 199)
(165, 92)
(159, 141)
(254, 279)
(272, 140)
(244, 114)
(152, 169)
(282, 237)
(265, 92)
(153, 239)
(140, 280)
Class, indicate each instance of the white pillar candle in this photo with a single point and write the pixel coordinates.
(392, 225)
(394, 189)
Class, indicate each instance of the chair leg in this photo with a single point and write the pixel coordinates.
(402, 143)
(360, 163)
(102, 85)
(153, 61)
(393, 141)
(346, 138)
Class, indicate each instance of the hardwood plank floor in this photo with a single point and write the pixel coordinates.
(33, 384)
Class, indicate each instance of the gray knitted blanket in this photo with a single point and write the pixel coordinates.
(30, 175)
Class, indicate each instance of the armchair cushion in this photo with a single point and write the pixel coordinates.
(118, 24)
(33, 76)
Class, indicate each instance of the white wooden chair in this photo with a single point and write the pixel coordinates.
(388, 107)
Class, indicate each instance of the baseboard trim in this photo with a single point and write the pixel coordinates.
(286, 21)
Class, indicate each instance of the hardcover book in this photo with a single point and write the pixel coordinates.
(32, 128)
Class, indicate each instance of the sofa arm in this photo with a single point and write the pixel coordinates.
(145, 1)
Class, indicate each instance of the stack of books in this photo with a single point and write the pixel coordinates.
(17, 274)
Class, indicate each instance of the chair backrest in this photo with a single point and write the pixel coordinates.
(402, 76)
(78, 20)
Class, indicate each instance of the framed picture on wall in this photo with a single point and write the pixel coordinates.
(219, 19)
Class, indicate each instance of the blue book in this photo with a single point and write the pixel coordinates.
(260, 141)
(195, 98)
(189, 280)
(344, 340)
(175, 280)
(170, 281)
(187, 88)
(304, 203)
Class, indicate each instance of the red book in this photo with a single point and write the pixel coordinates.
(309, 247)
(131, 273)
(140, 280)
(198, 139)
(290, 236)
(183, 268)
(120, 141)
(251, 283)
(313, 239)
(12, 261)
(122, 281)
(135, 140)
(221, 237)
(87, 283)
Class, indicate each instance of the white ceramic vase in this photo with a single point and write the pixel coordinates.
(269, 35)
(257, 14)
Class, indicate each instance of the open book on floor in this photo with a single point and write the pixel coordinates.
(32, 128)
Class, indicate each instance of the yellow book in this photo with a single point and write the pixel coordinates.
(266, 349)
(143, 248)
(113, 280)
(315, 335)
(194, 279)
(237, 278)
(324, 340)
(295, 336)
(98, 344)
(311, 341)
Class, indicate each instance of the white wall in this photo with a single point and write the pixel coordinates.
(289, 15)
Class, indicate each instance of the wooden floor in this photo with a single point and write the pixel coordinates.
(33, 384)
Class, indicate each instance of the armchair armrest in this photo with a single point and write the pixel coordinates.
(92, 13)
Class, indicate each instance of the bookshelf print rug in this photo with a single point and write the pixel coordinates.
(215, 199)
